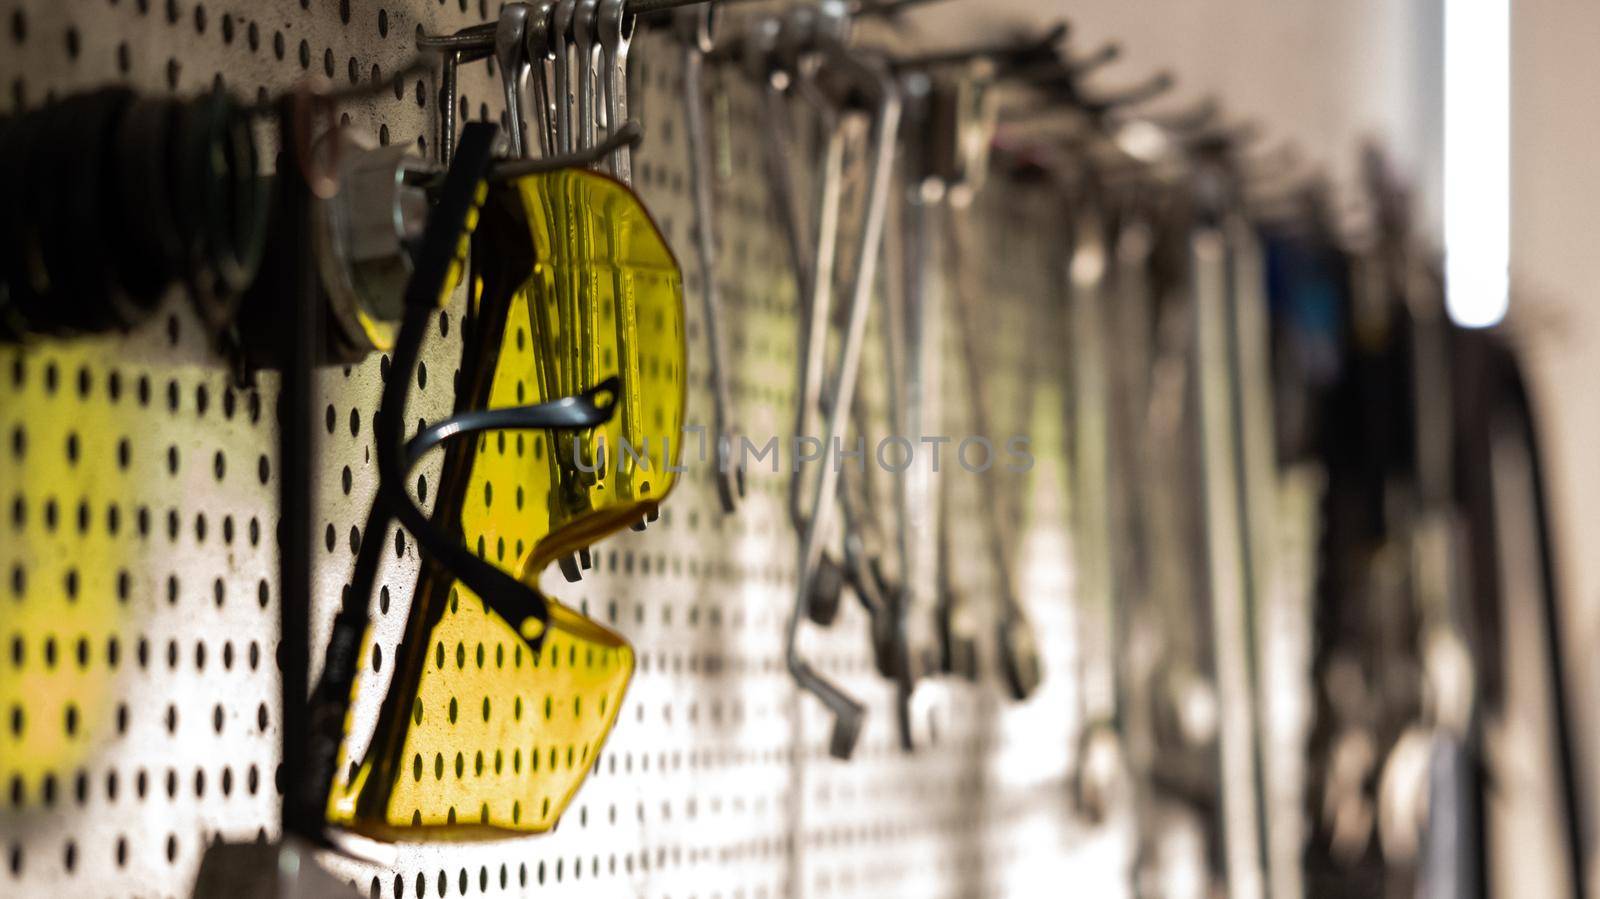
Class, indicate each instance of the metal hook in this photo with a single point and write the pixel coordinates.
(1009, 54)
(1204, 112)
(1108, 52)
(888, 9)
(1143, 92)
(467, 45)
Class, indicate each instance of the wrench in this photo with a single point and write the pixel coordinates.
(1020, 665)
(509, 53)
(948, 158)
(695, 30)
(1227, 567)
(570, 250)
(588, 313)
(1091, 280)
(587, 43)
(885, 123)
(615, 25)
(819, 300)
(539, 52)
(932, 639)
(958, 627)
(774, 66)
(561, 45)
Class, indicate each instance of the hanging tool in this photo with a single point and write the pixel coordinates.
(870, 79)
(950, 123)
(615, 25)
(586, 44)
(1020, 666)
(1090, 286)
(957, 618)
(771, 51)
(579, 55)
(1230, 575)
(907, 407)
(538, 51)
(511, 55)
(695, 30)
(814, 261)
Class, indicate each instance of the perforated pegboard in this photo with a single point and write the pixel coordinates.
(139, 489)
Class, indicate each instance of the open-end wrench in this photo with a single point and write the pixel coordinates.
(906, 327)
(1228, 575)
(796, 51)
(873, 80)
(818, 302)
(602, 30)
(1091, 278)
(695, 26)
(586, 43)
(1020, 665)
(571, 275)
(542, 47)
(952, 125)
(957, 621)
(771, 55)
(758, 45)
(561, 45)
(539, 53)
(615, 25)
(510, 53)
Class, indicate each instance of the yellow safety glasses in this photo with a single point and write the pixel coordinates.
(480, 735)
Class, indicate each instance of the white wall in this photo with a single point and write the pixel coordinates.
(1324, 75)
(1555, 268)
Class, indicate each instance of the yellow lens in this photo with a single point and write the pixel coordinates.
(606, 298)
(478, 736)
